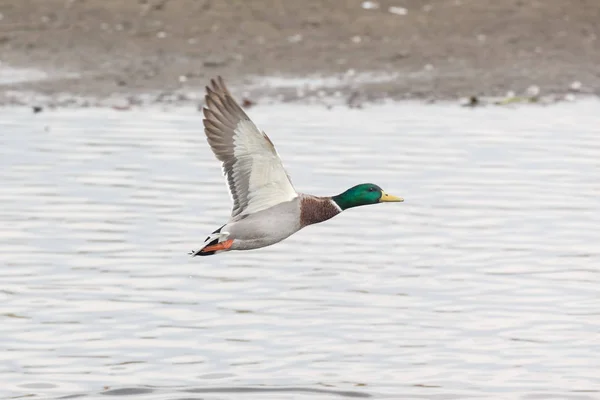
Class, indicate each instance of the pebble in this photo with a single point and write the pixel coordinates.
(576, 86)
(369, 5)
(398, 10)
(472, 101)
(295, 38)
(215, 62)
(533, 90)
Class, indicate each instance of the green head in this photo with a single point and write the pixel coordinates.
(363, 194)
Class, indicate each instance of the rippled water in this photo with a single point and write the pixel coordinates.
(484, 284)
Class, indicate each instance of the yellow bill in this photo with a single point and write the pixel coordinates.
(388, 198)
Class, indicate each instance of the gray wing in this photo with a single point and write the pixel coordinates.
(255, 174)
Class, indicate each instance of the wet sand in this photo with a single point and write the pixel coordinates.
(438, 49)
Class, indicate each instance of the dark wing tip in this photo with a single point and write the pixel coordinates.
(217, 85)
(222, 83)
(216, 92)
(219, 100)
(214, 85)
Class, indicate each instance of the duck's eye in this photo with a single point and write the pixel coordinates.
(371, 189)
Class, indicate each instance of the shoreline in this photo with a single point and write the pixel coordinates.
(295, 90)
(74, 53)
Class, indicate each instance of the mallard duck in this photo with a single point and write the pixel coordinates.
(266, 207)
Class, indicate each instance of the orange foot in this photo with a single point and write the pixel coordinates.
(219, 246)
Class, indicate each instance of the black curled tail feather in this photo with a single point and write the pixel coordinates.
(206, 253)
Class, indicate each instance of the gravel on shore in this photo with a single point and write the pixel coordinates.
(75, 52)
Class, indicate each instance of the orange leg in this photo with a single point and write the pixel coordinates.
(219, 246)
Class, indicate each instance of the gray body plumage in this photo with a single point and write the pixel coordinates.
(274, 224)
(265, 227)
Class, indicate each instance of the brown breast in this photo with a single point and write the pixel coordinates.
(316, 209)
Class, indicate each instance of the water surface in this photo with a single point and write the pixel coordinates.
(483, 284)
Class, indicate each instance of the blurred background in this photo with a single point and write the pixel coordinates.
(483, 284)
(380, 49)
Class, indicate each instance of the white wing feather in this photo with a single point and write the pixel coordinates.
(268, 183)
(255, 174)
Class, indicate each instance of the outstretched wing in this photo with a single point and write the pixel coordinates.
(254, 171)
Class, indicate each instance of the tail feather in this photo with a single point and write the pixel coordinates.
(215, 236)
(206, 253)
